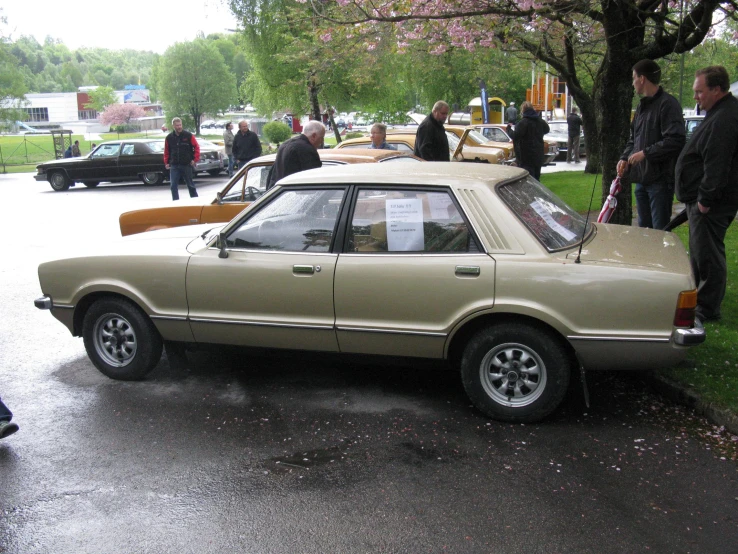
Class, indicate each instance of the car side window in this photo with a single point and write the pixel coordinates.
(408, 221)
(127, 150)
(107, 150)
(293, 221)
(257, 177)
(401, 146)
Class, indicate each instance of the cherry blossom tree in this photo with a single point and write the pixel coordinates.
(121, 114)
(590, 44)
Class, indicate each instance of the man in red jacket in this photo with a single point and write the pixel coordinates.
(181, 153)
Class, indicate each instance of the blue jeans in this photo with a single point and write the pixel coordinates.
(5, 413)
(184, 171)
(653, 203)
(230, 165)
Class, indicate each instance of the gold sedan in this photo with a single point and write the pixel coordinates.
(477, 264)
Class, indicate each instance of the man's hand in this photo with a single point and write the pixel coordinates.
(703, 209)
(192, 163)
(638, 157)
(167, 166)
(622, 167)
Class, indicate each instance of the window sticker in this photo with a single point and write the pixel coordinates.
(405, 225)
(439, 203)
(551, 222)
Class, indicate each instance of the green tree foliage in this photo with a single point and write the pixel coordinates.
(52, 67)
(193, 79)
(101, 98)
(276, 132)
(12, 86)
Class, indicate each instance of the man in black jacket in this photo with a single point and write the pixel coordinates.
(181, 153)
(528, 139)
(299, 153)
(246, 144)
(707, 183)
(657, 135)
(431, 142)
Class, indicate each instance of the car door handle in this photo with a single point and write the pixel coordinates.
(472, 270)
(303, 269)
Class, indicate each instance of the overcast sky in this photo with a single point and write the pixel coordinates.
(153, 25)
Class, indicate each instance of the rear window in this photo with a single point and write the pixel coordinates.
(548, 217)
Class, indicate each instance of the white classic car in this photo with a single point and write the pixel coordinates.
(478, 264)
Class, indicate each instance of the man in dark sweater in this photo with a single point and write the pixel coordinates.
(707, 183)
(299, 153)
(657, 135)
(246, 144)
(431, 142)
(181, 153)
(528, 139)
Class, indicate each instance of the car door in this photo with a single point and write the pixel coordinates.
(104, 163)
(412, 268)
(137, 158)
(249, 187)
(275, 287)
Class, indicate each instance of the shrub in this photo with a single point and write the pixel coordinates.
(353, 135)
(276, 131)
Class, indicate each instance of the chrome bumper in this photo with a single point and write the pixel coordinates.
(690, 337)
(43, 303)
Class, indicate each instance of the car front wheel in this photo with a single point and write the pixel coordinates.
(59, 181)
(152, 178)
(120, 339)
(515, 372)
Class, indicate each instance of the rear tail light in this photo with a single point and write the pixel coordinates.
(685, 309)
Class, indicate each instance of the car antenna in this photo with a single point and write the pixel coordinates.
(586, 221)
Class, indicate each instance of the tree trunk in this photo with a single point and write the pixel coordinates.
(333, 126)
(313, 89)
(613, 96)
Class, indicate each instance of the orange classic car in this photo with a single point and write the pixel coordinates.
(248, 184)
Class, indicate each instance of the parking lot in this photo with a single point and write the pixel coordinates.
(266, 452)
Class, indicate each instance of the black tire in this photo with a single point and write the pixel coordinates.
(214, 172)
(152, 178)
(91, 184)
(59, 181)
(515, 372)
(120, 339)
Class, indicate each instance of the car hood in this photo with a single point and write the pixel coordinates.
(635, 246)
(164, 242)
(63, 161)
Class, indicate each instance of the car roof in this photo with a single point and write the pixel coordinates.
(431, 173)
(349, 155)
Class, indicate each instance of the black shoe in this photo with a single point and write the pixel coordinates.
(7, 428)
(705, 318)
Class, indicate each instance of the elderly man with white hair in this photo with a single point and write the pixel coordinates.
(299, 153)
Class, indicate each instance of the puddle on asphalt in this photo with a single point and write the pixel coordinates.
(306, 460)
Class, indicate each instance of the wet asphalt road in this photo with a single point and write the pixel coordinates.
(264, 452)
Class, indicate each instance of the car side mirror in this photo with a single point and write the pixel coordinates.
(219, 198)
(221, 244)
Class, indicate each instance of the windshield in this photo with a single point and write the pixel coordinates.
(554, 223)
(453, 140)
(478, 137)
(560, 127)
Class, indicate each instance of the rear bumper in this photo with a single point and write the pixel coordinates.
(690, 337)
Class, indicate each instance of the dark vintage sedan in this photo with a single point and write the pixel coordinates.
(117, 160)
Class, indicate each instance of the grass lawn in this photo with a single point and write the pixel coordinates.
(711, 369)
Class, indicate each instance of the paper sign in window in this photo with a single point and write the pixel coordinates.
(405, 225)
(551, 222)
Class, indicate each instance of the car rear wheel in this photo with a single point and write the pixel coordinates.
(121, 340)
(214, 172)
(91, 184)
(515, 372)
(59, 181)
(152, 178)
